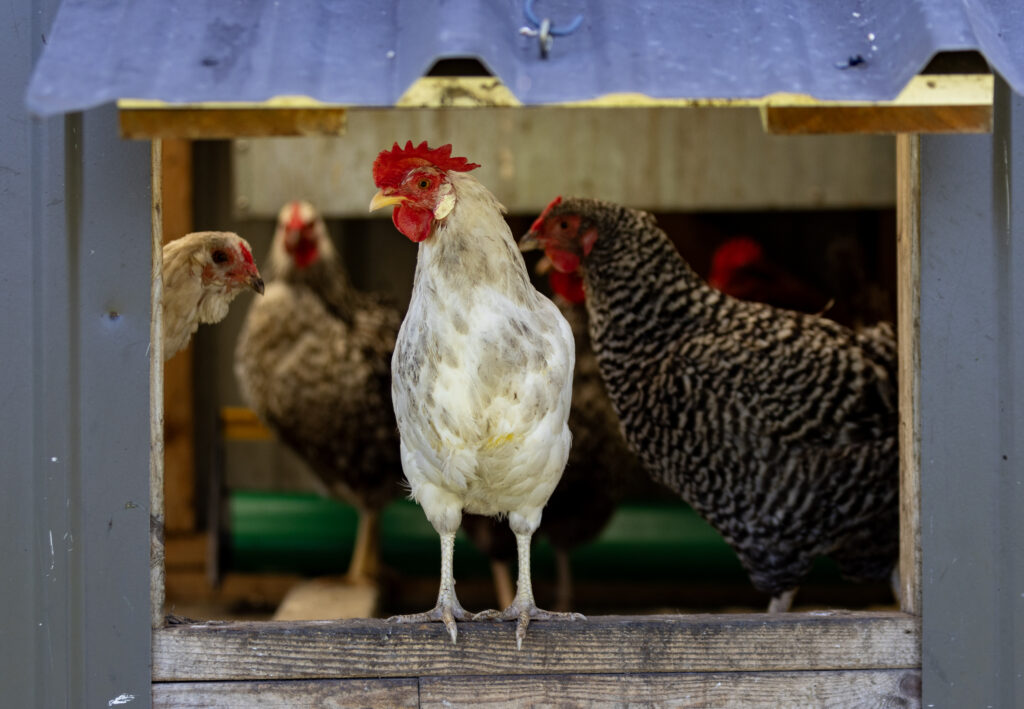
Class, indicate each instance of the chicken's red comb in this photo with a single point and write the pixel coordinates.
(392, 165)
(539, 221)
(296, 223)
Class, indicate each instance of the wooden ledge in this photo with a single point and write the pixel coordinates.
(368, 648)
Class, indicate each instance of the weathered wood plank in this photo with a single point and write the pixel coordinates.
(908, 296)
(205, 123)
(607, 644)
(156, 398)
(179, 434)
(720, 690)
(331, 694)
(809, 120)
(659, 159)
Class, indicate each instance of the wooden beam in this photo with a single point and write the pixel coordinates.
(156, 398)
(179, 427)
(338, 694)
(201, 122)
(908, 295)
(722, 690)
(811, 120)
(608, 644)
(928, 104)
(241, 424)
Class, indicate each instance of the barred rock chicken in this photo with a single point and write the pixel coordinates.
(595, 478)
(482, 372)
(202, 274)
(313, 362)
(778, 427)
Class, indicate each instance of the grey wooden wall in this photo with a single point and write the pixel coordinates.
(74, 429)
(972, 413)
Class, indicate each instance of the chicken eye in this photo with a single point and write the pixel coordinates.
(564, 225)
(219, 256)
(424, 184)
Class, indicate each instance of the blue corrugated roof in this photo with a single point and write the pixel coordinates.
(370, 52)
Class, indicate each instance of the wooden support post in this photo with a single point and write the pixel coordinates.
(908, 238)
(179, 436)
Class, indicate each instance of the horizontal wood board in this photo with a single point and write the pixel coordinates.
(324, 693)
(723, 690)
(652, 158)
(824, 640)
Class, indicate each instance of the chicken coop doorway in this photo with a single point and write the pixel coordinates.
(79, 512)
(184, 653)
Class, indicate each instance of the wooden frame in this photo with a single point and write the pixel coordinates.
(839, 658)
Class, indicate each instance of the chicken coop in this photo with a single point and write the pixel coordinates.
(869, 139)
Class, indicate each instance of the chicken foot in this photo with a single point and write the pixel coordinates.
(448, 608)
(523, 607)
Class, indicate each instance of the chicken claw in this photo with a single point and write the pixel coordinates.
(445, 611)
(448, 608)
(524, 613)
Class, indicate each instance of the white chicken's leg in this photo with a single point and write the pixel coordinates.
(448, 609)
(524, 608)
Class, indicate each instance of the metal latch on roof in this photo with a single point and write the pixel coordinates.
(546, 33)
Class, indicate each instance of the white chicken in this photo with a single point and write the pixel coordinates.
(482, 370)
(202, 274)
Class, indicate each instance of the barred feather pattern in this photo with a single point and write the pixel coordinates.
(313, 360)
(780, 428)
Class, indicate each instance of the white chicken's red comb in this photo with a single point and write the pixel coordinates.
(392, 165)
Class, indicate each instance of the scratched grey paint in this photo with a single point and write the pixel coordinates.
(74, 522)
(369, 53)
(972, 413)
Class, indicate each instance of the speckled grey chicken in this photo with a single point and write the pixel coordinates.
(780, 428)
(313, 360)
(595, 478)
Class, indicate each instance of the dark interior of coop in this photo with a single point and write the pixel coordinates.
(249, 530)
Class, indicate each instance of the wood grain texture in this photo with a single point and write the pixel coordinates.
(606, 644)
(650, 158)
(719, 690)
(207, 123)
(908, 321)
(179, 437)
(330, 694)
(156, 399)
(805, 120)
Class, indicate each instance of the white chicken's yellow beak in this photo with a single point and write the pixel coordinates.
(382, 200)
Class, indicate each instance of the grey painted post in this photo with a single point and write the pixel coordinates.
(972, 413)
(74, 419)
